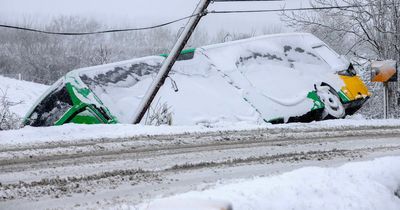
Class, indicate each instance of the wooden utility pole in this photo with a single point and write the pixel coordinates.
(166, 67)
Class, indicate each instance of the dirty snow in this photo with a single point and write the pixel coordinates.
(21, 91)
(361, 185)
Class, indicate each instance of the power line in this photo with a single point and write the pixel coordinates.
(95, 32)
(290, 9)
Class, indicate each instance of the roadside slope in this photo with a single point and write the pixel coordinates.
(23, 92)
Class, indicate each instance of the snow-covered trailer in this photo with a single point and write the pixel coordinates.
(274, 78)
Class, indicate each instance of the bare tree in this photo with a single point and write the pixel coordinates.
(8, 119)
(102, 55)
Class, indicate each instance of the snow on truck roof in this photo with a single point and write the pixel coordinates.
(307, 38)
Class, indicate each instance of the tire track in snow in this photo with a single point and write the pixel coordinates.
(169, 144)
(199, 137)
(58, 187)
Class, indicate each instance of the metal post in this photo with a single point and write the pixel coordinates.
(385, 100)
(166, 67)
(19, 76)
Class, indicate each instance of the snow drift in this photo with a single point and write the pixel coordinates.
(364, 185)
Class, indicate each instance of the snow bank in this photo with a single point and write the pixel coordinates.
(73, 132)
(362, 185)
(21, 91)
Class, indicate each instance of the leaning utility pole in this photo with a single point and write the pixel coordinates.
(166, 67)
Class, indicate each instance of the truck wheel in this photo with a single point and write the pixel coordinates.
(333, 106)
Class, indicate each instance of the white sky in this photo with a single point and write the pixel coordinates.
(145, 12)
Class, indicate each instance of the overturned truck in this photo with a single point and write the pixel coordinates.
(274, 78)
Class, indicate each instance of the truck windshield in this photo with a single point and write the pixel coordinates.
(118, 87)
(329, 56)
(51, 108)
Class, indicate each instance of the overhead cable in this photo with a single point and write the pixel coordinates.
(290, 9)
(95, 32)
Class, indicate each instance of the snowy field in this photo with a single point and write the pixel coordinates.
(360, 185)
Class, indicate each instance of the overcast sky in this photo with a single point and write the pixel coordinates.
(145, 12)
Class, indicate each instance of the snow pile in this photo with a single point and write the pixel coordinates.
(75, 132)
(254, 80)
(363, 185)
(21, 91)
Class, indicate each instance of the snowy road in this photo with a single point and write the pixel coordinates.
(106, 172)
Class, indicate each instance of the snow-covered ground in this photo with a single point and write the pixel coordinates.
(122, 173)
(361, 185)
(22, 92)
